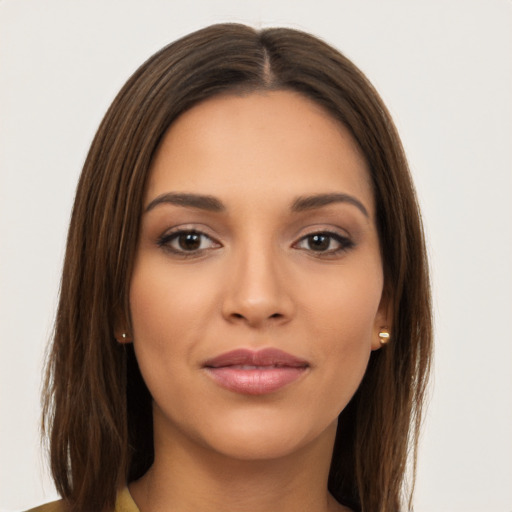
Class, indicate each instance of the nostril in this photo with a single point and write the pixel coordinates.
(239, 316)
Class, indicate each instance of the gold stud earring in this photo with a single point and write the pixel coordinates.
(384, 336)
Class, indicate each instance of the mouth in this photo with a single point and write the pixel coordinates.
(255, 372)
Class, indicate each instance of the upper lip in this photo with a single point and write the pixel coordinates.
(263, 357)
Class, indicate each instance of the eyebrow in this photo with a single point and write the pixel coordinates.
(305, 203)
(212, 204)
(202, 202)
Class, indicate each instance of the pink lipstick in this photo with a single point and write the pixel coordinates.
(255, 372)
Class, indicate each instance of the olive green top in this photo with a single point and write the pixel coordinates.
(124, 503)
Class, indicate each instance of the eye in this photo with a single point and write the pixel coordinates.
(187, 242)
(324, 243)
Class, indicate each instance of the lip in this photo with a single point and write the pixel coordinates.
(255, 372)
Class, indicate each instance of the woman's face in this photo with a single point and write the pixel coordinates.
(256, 293)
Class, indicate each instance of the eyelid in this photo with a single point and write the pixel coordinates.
(320, 227)
(344, 240)
(164, 240)
(341, 238)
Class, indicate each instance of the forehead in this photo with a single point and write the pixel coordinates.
(263, 145)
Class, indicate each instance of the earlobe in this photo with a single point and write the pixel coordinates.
(383, 322)
(123, 337)
(121, 326)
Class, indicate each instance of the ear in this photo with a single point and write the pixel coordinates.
(121, 333)
(122, 336)
(122, 325)
(383, 326)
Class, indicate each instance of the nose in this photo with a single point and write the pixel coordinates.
(257, 291)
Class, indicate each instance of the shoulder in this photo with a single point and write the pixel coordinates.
(54, 506)
(124, 503)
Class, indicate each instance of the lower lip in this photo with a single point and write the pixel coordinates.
(257, 381)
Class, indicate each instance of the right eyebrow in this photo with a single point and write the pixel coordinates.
(203, 202)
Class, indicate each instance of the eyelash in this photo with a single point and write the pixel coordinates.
(344, 243)
(165, 242)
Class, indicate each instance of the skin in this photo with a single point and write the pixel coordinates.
(255, 279)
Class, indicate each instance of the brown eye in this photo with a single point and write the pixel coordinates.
(189, 241)
(324, 243)
(318, 242)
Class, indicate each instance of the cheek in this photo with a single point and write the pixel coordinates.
(164, 319)
(342, 316)
(347, 305)
(168, 316)
(167, 305)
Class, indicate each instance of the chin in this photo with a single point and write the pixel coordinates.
(259, 438)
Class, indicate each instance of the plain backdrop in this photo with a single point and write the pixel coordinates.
(444, 67)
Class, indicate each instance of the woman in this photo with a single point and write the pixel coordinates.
(244, 319)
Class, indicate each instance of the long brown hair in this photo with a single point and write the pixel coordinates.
(97, 410)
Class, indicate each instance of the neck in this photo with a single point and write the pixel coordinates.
(187, 477)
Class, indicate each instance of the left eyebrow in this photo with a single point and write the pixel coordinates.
(304, 203)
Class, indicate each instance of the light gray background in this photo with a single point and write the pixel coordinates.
(444, 67)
